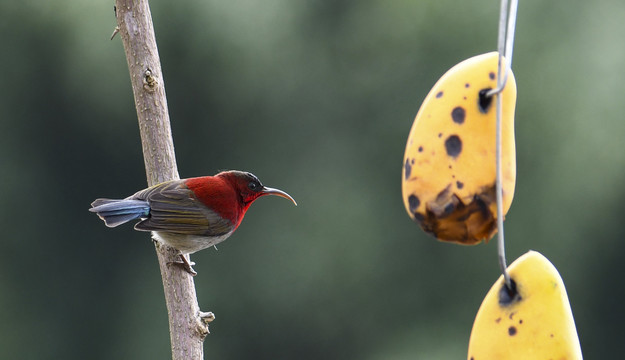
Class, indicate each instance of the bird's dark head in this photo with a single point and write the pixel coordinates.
(250, 188)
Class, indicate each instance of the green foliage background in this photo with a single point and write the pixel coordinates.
(316, 98)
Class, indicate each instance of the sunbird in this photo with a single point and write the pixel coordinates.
(189, 214)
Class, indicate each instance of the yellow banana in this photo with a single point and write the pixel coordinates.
(535, 323)
(448, 179)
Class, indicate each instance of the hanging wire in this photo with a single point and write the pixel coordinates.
(505, 45)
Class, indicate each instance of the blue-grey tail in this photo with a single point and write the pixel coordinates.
(117, 212)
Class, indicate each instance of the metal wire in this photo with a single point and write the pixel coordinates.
(505, 45)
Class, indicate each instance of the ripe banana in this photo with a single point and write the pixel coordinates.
(533, 322)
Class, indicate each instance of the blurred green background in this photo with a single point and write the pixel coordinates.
(316, 98)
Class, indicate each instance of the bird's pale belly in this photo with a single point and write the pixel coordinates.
(188, 244)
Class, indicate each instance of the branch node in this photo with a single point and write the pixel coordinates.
(202, 325)
(149, 81)
(207, 317)
(115, 31)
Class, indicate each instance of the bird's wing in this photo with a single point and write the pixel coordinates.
(174, 208)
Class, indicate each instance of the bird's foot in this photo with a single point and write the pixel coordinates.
(185, 264)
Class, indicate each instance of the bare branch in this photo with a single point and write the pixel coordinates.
(188, 327)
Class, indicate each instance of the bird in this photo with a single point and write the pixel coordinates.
(189, 214)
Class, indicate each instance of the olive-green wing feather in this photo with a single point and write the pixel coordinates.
(174, 208)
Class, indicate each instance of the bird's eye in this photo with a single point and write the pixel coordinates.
(253, 185)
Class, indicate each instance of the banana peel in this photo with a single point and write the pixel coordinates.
(533, 321)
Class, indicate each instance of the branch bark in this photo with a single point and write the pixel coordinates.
(187, 325)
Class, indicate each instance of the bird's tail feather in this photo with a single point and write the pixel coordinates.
(117, 212)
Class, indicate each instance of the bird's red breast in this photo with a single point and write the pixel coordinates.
(217, 193)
